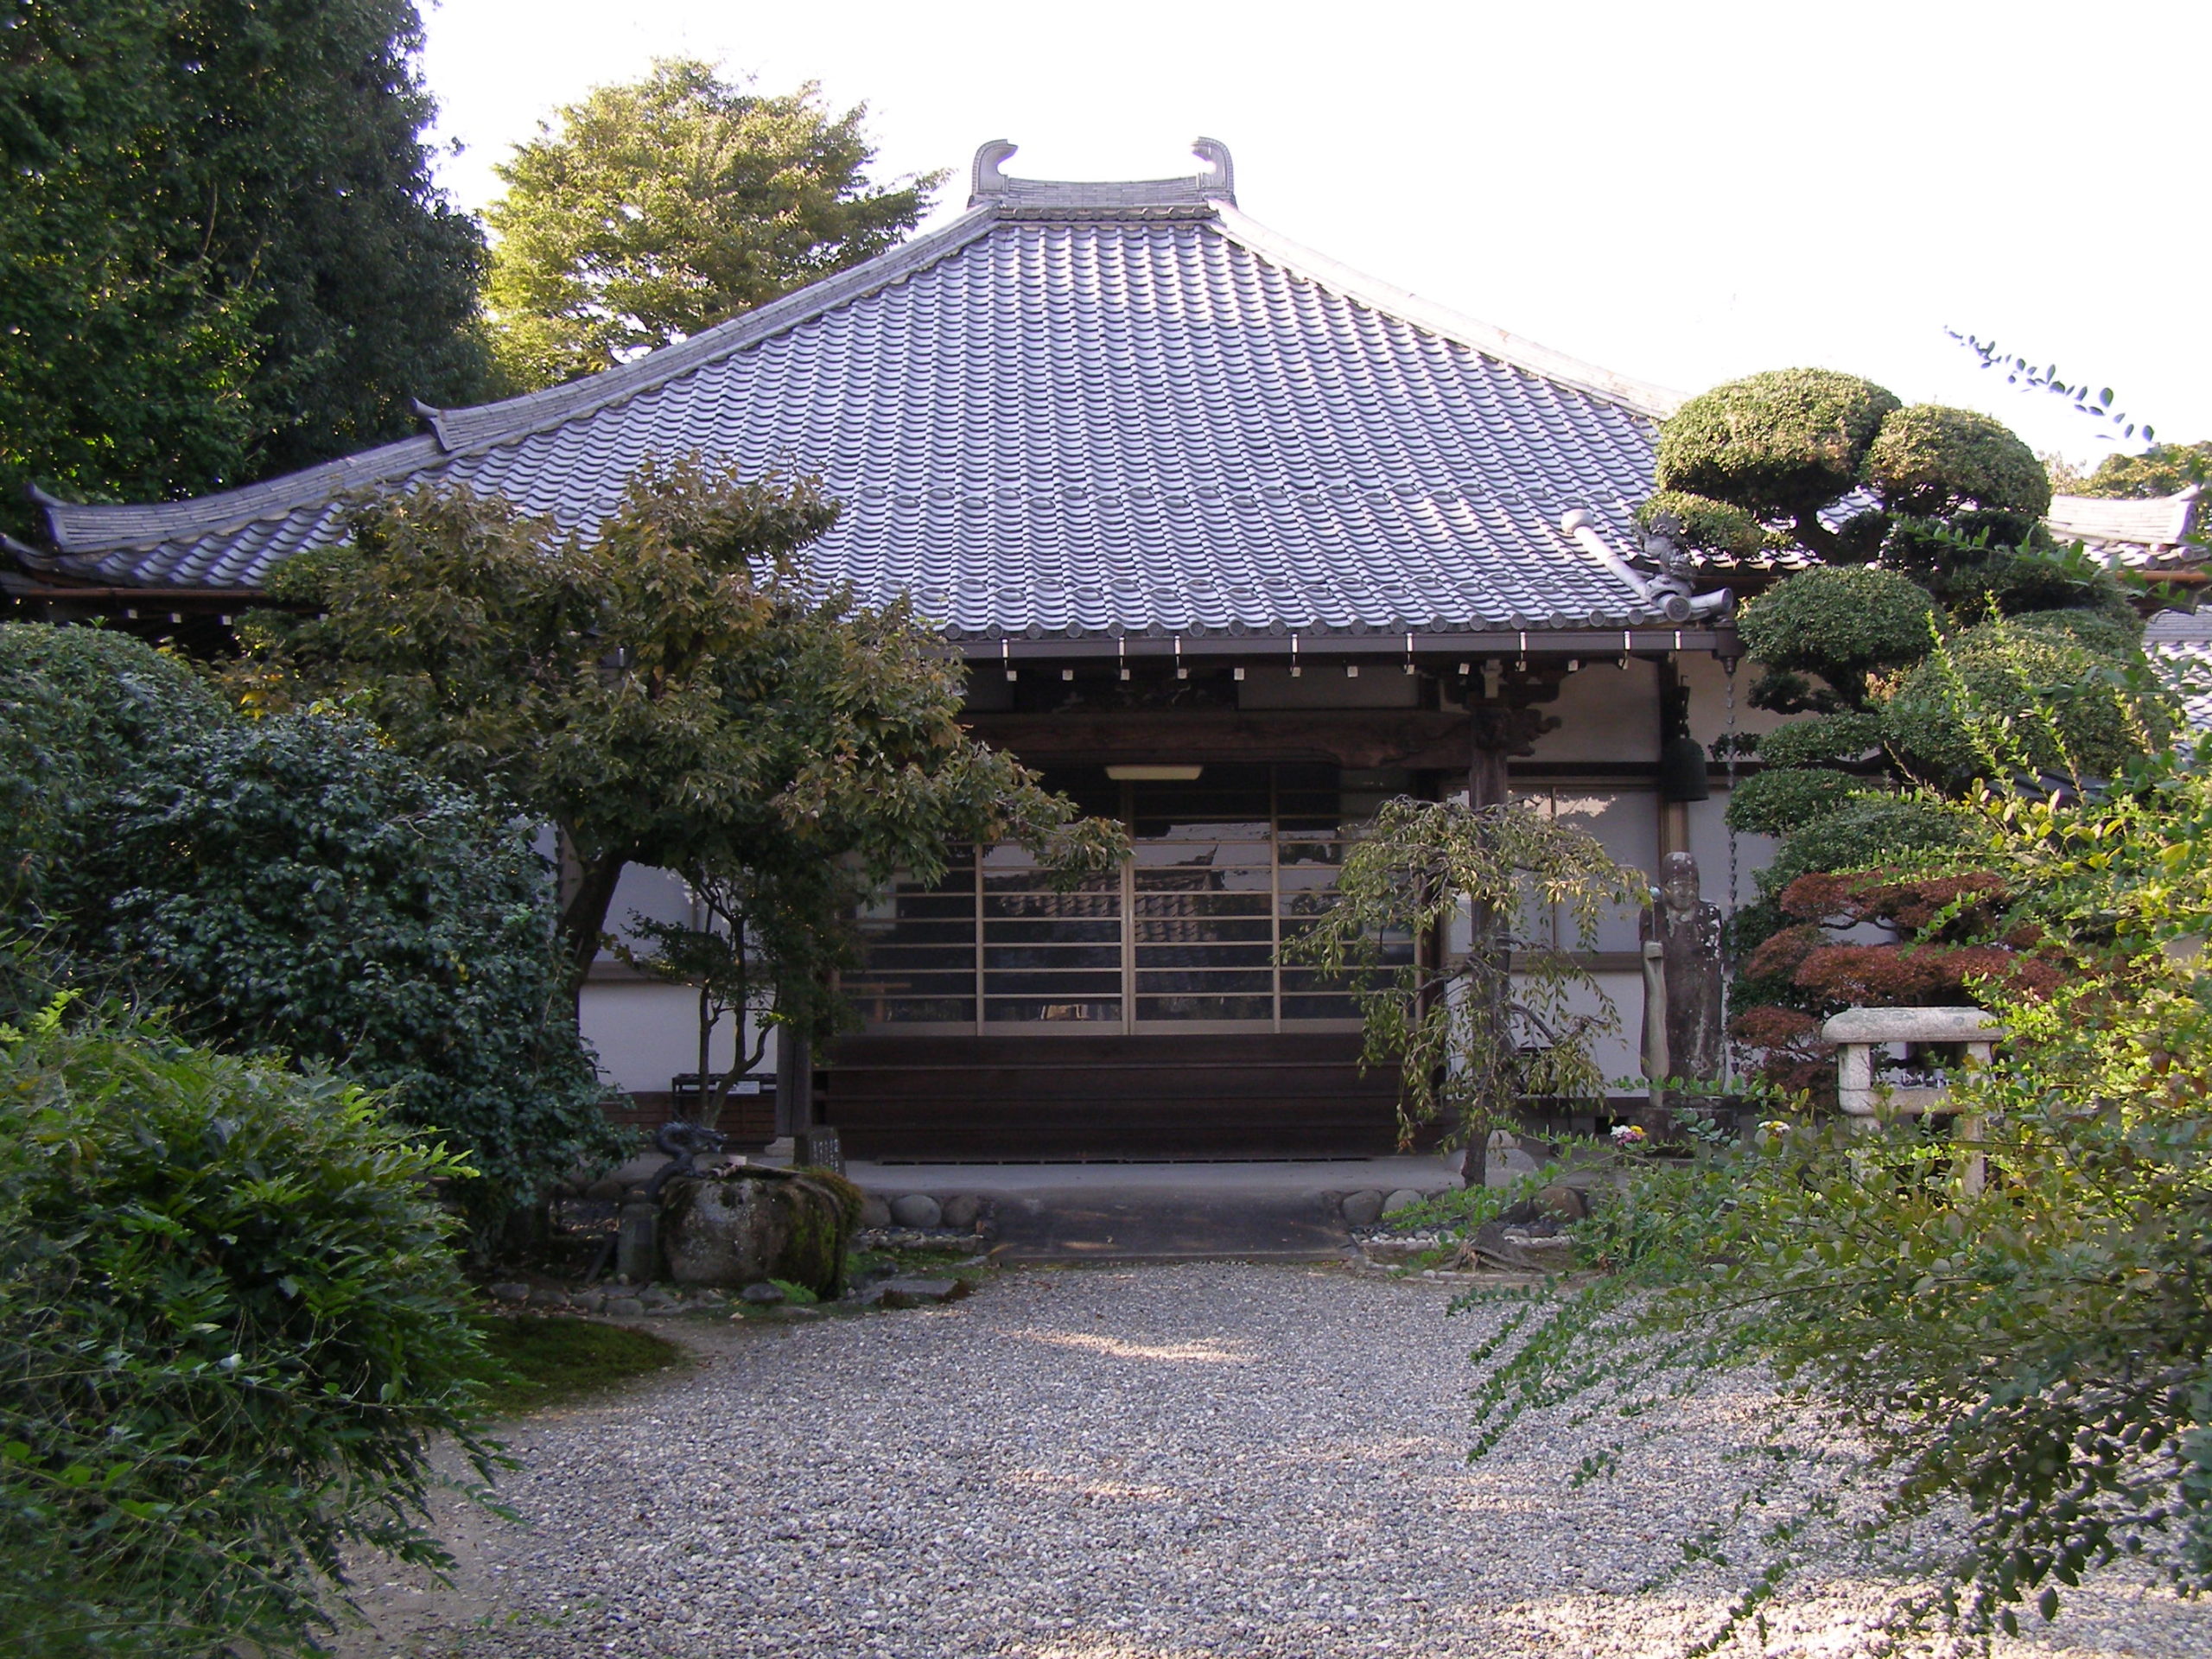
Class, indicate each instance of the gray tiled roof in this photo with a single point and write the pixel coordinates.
(1074, 410)
(2180, 644)
(2136, 535)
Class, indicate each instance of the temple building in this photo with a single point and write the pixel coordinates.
(1236, 542)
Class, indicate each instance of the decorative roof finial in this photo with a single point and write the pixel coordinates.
(986, 180)
(1220, 179)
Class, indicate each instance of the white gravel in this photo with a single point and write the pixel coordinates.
(1143, 1463)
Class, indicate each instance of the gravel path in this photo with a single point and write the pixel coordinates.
(1145, 1463)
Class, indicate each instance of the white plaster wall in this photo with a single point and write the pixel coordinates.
(1708, 686)
(1615, 1046)
(646, 1033)
(1709, 846)
(651, 893)
(1604, 713)
(1610, 713)
(1617, 1051)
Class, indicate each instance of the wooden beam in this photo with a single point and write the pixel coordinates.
(1360, 739)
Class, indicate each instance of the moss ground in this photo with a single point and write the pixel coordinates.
(545, 1360)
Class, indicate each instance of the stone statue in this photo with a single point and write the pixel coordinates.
(1681, 978)
(1657, 1063)
(684, 1143)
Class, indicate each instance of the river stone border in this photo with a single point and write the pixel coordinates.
(917, 1220)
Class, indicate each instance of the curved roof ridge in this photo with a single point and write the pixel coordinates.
(988, 183)
(1641, 397)
(76, 526)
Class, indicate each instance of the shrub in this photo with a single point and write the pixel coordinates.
(1841, 624)
(2005, 699)
(1930, 460)
(1866, 834)
(2097, 630)
(1707, 526)
(295, 885)
(2027, 1357)
(230, 1327)
(1780, 444)
(1822, 739)
(78, 707)
(1788, 798)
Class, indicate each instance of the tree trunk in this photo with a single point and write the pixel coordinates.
(1818, 536)
(583, 914)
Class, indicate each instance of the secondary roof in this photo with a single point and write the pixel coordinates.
(1078, 409)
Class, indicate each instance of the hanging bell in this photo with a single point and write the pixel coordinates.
(1681, 770)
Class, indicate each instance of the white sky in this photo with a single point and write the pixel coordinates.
(1681, 192)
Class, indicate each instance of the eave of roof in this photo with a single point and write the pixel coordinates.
(2180, 642)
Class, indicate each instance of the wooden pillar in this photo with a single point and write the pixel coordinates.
(1486, 774)
(1496, 732)
(794, 1083)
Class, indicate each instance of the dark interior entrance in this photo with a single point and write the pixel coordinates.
(1146, 1096)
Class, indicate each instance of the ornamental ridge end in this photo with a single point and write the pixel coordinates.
(989, 183)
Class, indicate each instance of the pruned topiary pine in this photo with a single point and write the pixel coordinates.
(1913, 528)
(1704, 525)
(1780, 445)
(1788, 798)
(1842, 625)
(2073, 712)
(1933, 462)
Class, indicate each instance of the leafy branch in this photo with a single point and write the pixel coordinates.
(1510, 1014)
(2019, 372)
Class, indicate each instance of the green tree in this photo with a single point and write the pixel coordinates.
(2162, 469)
(673, 690)
(1473, 1032)
(663, 207)
(2027, 1357)
(221, 253)
(1921, 524)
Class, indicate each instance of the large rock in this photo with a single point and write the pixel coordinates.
(961, 1210)
(755, 1224)
(915, 1210)
(1563, 1202)
(876, 1212)
(1363, 1209)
